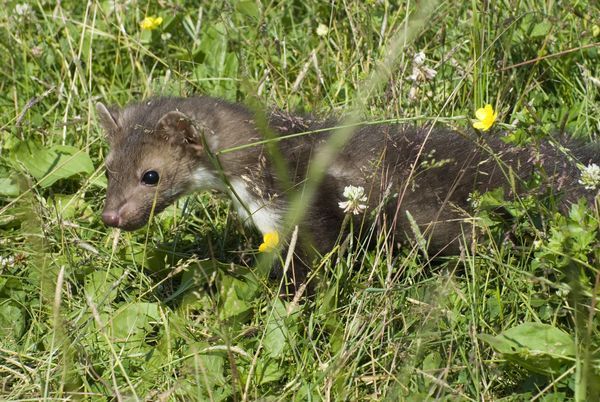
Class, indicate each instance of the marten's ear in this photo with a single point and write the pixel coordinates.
(109, 118)
(178, 128)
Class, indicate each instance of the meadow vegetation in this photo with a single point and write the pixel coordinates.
(180, 311)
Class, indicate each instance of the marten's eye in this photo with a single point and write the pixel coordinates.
(150, 178)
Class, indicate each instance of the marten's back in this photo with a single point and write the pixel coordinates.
(433, 172)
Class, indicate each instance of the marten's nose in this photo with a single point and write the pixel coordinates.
(110, 218)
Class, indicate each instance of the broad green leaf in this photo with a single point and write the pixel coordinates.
(69, 206)
(99, 285)
(214, 45)
(210, 367)
(57, 162)
(8, 187)
(145, 36)
(195, 276)
(238, 291)
(538, 347)
(541, 29)
(555, 397)
(16, 215)
(276, 330)
(131, 323)
(432, 361)
(233, 306)
(492, 199)
(99, 181)
(268, 371)
(246, 285)
(130, 330)
(12, 321)
(249, 8)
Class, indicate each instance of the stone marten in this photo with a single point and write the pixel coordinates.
(163, 148)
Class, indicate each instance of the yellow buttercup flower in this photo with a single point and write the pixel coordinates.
(485, 118)
(150, 23)
(270, 242)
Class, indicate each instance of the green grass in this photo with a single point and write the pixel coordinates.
(177, 312)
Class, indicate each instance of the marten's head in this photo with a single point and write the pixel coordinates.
(156, 155)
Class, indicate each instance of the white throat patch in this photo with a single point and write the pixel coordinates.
(253, 209)
(204, 179)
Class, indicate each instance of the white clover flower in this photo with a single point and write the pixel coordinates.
(420, 72)
(354, 196)
(322, 30)
(23, 10)
(419, 59)
(590, 177)
(7, 261)
(428, 72)
(37, 51)
(474, 199)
